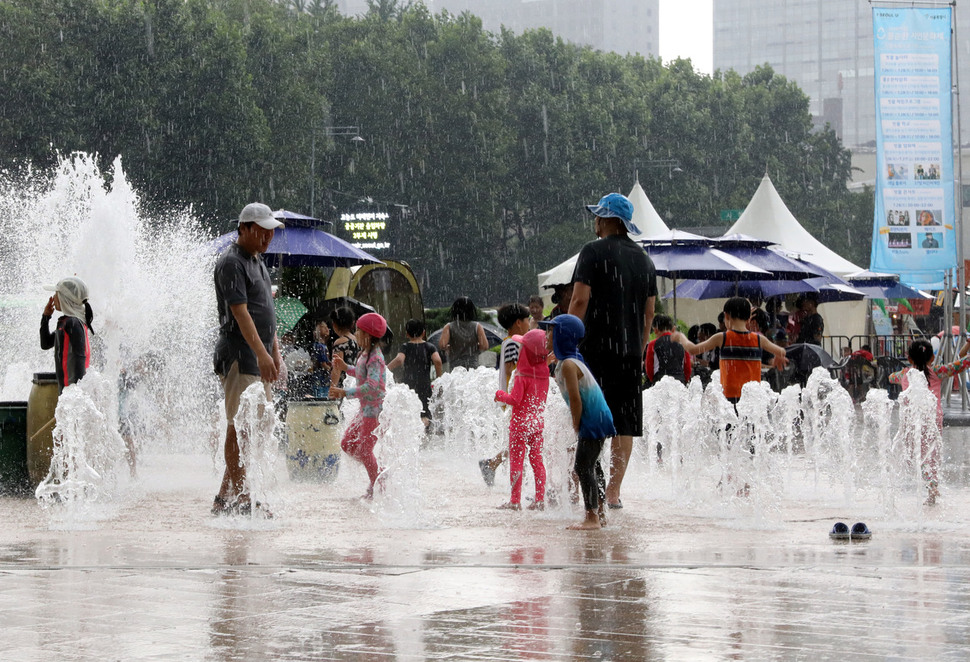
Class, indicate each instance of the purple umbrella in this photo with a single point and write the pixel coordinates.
(304, 247)
(826, 289)
(759, 253)
(292, 219)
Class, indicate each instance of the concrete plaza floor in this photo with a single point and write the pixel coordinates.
(155, 577)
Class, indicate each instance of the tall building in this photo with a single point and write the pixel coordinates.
(826, 46)
(621, 26)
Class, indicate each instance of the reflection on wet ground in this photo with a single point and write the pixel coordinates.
(157, 578)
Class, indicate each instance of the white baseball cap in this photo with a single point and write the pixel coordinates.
(260, 214)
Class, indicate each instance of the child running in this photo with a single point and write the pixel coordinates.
(417, 356)
(592, 419)
(514, 318)
(740, 349)
(528, 400)
(920, 356)
(371, 375)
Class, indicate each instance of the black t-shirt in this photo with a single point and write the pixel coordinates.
(621, 278)
(242, 278)
(417, 365)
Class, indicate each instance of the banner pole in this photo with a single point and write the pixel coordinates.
(958, 197)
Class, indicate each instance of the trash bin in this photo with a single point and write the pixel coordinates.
(313, 440)
(14, 478)
(40, 425)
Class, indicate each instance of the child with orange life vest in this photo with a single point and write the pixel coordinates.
(371, 375)
(740, 349)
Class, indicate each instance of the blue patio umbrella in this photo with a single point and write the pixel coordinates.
(304, 247)
(826, 289)
(695, 260)
(883, 286)
(689, 261)
(761, 254)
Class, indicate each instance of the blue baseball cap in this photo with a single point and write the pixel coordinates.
(615, 205)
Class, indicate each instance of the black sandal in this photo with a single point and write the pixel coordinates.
(220, 506)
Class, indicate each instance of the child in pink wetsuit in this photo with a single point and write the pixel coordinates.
(528, 400)
(371, 375)
(921, 357)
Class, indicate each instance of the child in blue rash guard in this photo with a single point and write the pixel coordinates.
(592, 418)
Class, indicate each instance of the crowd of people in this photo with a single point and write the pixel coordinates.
(594, 343)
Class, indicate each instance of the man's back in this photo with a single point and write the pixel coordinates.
(621, 278)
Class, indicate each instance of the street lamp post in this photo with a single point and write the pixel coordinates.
(329, 132)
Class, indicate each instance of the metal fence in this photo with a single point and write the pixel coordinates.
(858, 374)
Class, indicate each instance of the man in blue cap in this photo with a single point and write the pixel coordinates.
(614, 290)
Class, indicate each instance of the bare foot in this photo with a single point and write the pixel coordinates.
(510, 506)
(585, 525)
(538, 505)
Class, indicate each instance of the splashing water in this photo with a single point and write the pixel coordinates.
(917, 439)
(888, 468)
(255, 423)
(830, 445)
(150, 279)
(88, 460)
(399, 501)
(469, 418)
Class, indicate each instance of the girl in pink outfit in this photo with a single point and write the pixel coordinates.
(528, 400)
(370, 372)
(921, 358)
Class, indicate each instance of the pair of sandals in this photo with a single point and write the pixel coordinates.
(841, 531)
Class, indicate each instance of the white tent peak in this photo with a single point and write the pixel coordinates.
(645, 217)
(767, 217)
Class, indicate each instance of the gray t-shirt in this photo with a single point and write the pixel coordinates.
(242, 278)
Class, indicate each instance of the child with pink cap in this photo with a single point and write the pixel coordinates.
(528, 400)
(371, 375)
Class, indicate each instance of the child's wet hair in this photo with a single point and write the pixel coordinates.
(414, 328)
(511, 313)
(463, 310)
(343, 317)
(738, 308)
(921, 354)
(663, 323)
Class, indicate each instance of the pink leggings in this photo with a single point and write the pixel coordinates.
(522, 434)
(358, 442)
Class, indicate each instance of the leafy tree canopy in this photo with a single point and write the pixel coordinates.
(482, 147)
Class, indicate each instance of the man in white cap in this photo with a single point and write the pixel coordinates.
(614, 290)
(247, 350)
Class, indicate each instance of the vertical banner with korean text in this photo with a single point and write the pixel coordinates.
(913, 233)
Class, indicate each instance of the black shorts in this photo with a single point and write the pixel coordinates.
(620, 379)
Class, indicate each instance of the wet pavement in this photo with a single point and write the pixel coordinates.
(155, 577)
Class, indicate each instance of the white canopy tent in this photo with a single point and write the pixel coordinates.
(767, 217)
(645, 217)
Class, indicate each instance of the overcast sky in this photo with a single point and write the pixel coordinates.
(687, 30)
